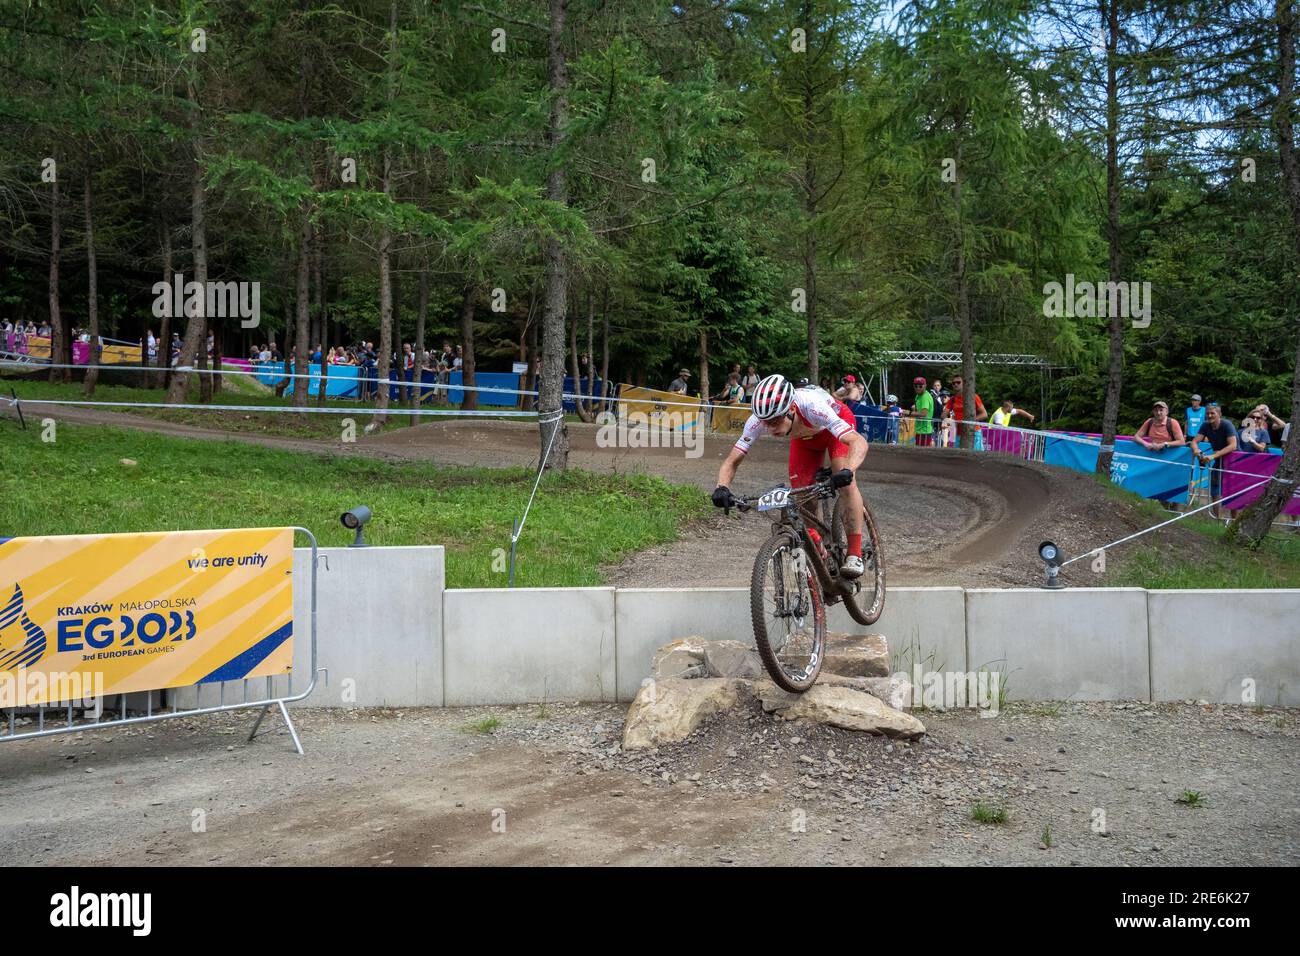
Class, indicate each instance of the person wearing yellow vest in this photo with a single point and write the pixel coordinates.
(1004, 414)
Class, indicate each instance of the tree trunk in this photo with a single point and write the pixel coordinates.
(554, 435)
(386, 247)
(962, 303)
(195, 343)
(165, 330)
(1115, 379)
(705, 386)
(421, 321)
(385, 313)
(575, 370)
(302, 349)
(467, 365)
(591, 359)
(531, 378)
(92, 292)
(58, 355)
(604, 354)
(1253, 522)
(322, 318)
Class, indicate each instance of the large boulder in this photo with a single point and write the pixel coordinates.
(896, 691)
(733, 659)
(839, 706)
(856, 655)
(666, 711)
(682, 658)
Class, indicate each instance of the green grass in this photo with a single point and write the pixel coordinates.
(1046, 837)
(579, 521)
(983, 812)
(236, 390)
(485, 726)
(1192, 798)
(1217, 564)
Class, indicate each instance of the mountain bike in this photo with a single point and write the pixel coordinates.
(794, 580)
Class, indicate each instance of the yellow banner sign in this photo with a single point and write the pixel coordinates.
(132, 612)
(659, 408)
(730, 419)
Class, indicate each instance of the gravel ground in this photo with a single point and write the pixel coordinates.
(423, 787)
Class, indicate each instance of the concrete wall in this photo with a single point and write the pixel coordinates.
(1072, 644)
(925, 626)
(648, 618)
(379, 631)
(515, 646)
(390, 635)
(1238, 647)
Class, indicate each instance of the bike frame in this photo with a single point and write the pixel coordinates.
(793, 519)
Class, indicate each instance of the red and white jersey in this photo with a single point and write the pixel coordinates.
(815, 410)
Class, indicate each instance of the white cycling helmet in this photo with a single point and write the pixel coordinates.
(772, 397)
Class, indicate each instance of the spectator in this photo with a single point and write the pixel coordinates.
(750, 381)
(1254, 436)
(1160, 431)
(679, 383)
(923, 412)
(1003, 414)
(1222, 438)
(733, 393)
(893, 412)
(1281, 429)
(955, 403)
(1195, 417)
(850, 389)
(459, 361)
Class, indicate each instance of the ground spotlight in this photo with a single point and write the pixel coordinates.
(1051, 556)
(356, 520)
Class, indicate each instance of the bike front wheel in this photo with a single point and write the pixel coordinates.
(788, 613)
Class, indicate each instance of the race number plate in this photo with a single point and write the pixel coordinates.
(774, 499)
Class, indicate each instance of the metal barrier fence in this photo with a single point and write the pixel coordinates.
(68, 708)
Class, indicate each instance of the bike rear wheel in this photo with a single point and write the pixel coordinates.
(864, 598)
(788, 613)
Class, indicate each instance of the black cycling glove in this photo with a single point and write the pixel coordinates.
(842, 478)
(722, 496)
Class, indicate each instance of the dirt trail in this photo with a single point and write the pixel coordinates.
(947, 517)
(551, 786)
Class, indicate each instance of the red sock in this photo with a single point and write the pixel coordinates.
(855, 544)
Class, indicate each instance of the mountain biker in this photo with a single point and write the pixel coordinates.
(816, 424)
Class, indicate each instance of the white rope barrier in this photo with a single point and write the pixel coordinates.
(1185, 514)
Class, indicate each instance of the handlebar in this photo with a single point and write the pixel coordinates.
(817, 489)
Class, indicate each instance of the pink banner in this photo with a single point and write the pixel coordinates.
(1251, 468)
(1006, 440)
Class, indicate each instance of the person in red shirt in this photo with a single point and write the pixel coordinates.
(954, 405)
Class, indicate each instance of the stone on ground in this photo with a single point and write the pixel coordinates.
(733, 659)
(840, 706)
(682, 658)
(666, 711)
(895, 691)
(856, 655)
